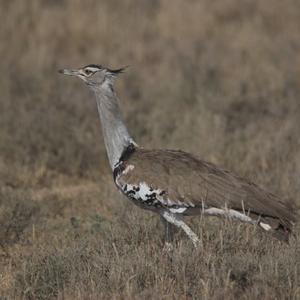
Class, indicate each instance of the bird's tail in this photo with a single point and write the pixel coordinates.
(281, 229)
(282, 233)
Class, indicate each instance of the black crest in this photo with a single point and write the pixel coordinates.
(94, 66)
(117, 71)
(111, 71)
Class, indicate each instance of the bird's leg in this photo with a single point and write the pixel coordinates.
(170, 229)
(175, 220)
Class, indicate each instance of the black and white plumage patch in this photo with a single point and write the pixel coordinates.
(146, 196)
(142, 193)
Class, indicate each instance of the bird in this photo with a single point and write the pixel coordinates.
(174, 183)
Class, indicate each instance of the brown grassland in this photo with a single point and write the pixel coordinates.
(220, 79)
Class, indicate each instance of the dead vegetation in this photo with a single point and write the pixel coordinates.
(216, 78)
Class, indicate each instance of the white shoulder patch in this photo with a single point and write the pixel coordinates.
(214, 211)
(265, 226)
(178, 210)
(127, 169)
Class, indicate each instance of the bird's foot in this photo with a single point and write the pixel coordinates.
(168, 247)
(196, 242)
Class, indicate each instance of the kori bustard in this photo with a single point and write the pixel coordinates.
(175, 183)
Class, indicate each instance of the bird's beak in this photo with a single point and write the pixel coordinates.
(69, 72)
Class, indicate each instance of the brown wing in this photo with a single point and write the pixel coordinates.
(187, 179)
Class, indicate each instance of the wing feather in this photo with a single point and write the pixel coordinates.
(185, 179)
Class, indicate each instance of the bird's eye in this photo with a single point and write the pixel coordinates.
(88, 72)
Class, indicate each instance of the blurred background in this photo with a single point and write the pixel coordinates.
(217, 78)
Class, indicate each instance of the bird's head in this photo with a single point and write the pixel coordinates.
(95, 76)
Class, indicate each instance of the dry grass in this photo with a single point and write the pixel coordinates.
(217, 78)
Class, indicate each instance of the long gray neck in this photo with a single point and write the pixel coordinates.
(115, 133)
